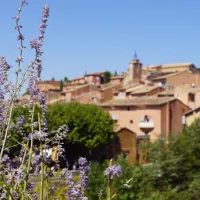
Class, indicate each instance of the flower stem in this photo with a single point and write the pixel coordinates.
(30, 154)
(109, 185)
(42, 164)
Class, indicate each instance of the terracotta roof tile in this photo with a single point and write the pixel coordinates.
(153, 100)
(144, 89)
(168, 75)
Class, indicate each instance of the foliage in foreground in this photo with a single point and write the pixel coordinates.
(89, 125)
(174, 172)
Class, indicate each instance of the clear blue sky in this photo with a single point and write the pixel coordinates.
(102, 35)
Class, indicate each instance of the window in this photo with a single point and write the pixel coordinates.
(146, 118)
(191, 97)
(131, 121)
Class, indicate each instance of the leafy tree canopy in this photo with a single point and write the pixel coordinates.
(66, 80)
(88, 124)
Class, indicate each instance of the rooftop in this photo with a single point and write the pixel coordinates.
(55, 83)
(108, 86)
(145, 89)
(172, 65)
(140, 101)
(169, 75)
(95, 74)
(76, 87)
(78, 78)
(192, 111)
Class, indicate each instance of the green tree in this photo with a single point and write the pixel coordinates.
(66, 80)
(89, 125)
(61, 86)
(106, 77)
(53, 79)
(115, 74)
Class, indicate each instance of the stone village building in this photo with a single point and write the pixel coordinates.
(157, 117)
(150, 99)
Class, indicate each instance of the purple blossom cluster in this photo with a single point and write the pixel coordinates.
(20, 37)
(20, 124)
(37, 43)
(113, 171)
(5, 89)
(35, 94)
(61, 133)
(84, 168)
(76, 188)
(15, 171)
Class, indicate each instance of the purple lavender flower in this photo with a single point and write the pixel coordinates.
(20, 120)
(83, 167)
(113, 171)
(5, 159)
(24, 3)
(37, 43)
(39, 135)
(35, 124)
(19, 59)
(20, 124)
(76, 188)
(3, 64)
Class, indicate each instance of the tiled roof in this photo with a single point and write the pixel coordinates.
(191, 111)
(177, 65)
(78, 78)
(55, 83)
(109, 86)
(95, 74)
(140, 101)
(134, 87)
(76, 87)
(118, 129)
(144, 89)
(172, 65)
(168, 75)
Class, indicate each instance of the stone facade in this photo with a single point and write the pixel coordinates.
(166, 115)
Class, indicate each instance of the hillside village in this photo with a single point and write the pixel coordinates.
(154, 101)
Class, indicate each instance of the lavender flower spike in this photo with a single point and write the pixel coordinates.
(83, 163)
(113, 171)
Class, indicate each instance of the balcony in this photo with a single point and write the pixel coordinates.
(146, 126)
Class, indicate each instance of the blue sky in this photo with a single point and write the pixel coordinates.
(89, 36)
